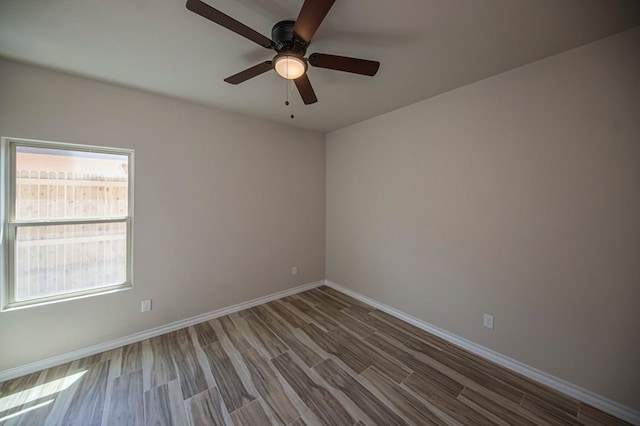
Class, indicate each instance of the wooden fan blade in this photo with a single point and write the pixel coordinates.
(228, 22)
(249, 73)
(343, 63)
(306, 91)
(309, 19)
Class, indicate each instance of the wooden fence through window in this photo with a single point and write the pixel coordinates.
(54, 259)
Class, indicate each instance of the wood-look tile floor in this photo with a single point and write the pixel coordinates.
(318, 357)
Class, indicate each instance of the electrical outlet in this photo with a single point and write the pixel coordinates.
(294, 270)
(145, 305)
(487, 321)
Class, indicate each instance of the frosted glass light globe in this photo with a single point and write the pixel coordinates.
(290, 67)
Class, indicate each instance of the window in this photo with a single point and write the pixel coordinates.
(67, 221)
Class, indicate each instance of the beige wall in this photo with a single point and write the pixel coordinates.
(517, 196)
(224, 206)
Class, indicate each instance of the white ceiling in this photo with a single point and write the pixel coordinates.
(426, 47)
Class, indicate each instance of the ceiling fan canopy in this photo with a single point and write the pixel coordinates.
(290, 40)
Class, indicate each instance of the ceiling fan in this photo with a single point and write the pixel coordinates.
(290, 40)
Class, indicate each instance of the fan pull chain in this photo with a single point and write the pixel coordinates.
(289, 87)
(286, 92)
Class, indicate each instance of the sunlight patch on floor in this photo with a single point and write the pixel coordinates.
(26, 410)
(24, 397)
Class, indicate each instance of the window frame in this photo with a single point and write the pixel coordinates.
(10, 224)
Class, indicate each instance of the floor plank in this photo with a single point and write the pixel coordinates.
(87, 406)
(404, 401)
(392, 368)
(126, 404)
(363, 398)
(500, 411)
(265, 338)
(131, 358)
(207, 408)
(160, 368)
(469, 370)
(189, 372)
(445, 402)
(250, 415)
(528, 386)
(429, 338)
(231, 332)
(353, 359)
(592, 416)
(310, 298)
(157, 406)
(269, 387)
(548, 412)
(233, 391)
(323, 321)
(316, 396)
(286, 313)
(345, 320)
(306, 353)
(205, 333)
(344, 298)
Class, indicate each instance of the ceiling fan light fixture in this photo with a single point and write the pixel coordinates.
(289, 66)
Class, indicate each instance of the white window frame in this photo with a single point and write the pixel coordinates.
(10, 224)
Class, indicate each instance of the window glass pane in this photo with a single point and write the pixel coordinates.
(59, 183)
(59, 259)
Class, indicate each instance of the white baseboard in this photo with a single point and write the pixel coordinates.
(621, 411)
(33, 367)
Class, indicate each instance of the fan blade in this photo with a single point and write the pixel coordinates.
(309, 19)
(245, 75)
(306, 91)
(228, 22)
(343, 63)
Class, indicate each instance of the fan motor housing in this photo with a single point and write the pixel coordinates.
(282, 36)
